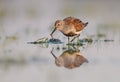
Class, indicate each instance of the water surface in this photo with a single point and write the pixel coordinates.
(27, 21)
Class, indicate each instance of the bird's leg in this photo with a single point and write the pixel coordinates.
(51, 36)
(75, 37)
(78, 36)
(68, 39)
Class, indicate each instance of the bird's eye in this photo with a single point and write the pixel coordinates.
(58, 24)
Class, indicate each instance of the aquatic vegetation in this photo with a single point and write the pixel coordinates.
(75, 44)
(89, 40)
(81, 42)
(14, 37)
(55, 41)
(58, 48)
(100, 35)
(40, 41)
(46, 40)
(108, 40)
(63, 48)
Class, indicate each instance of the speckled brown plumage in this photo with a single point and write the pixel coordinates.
(77, 23)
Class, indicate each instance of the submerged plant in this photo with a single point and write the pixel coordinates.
(40, 41)
(44, 42)
(55, 41)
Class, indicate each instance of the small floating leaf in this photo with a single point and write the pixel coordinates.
(42, 40)
(89, 40)
(39, 41)
(63, 48)
(32, 42)
(58, 48)
(100, 35)
(55, 41)
(106, 40)
(75, 44)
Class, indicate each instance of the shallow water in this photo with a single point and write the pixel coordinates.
(32, 62)
(92, 61)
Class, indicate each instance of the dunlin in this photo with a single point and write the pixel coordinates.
(70, 27)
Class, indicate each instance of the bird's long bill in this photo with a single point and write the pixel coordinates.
(86, 24)
(53, 32)
(54, 56)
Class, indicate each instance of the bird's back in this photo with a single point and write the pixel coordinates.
(77, 23)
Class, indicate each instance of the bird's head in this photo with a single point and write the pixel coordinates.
(59, 24)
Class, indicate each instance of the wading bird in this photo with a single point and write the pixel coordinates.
(70, 27)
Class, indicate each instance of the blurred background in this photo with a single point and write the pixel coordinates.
(23, 21)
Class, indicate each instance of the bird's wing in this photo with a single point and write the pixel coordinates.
(78, 24)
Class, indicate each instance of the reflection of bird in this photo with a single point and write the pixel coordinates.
(70, 27)
(69, 59)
